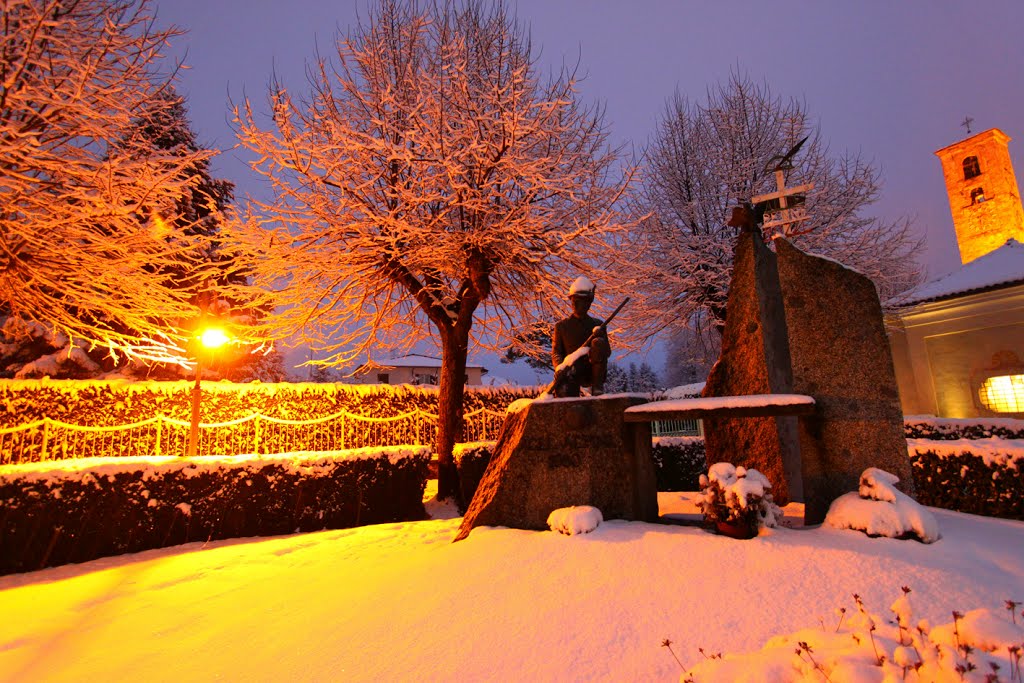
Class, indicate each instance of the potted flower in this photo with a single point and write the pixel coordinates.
(736, 501)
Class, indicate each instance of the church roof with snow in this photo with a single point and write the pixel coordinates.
(1000, 268)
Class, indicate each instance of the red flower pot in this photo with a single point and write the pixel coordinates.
(735, 530)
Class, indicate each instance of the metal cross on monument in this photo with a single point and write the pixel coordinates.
(785, 206)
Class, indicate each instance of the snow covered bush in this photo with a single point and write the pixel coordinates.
(981, 645)
(578, 519)
(738, 497)
(878, 508)
(78, 510)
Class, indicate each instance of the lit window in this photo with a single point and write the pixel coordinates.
(971, 168)
(1004, 394)
(977, 195)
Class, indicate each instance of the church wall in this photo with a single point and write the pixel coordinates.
(948, 343)
(904, 369)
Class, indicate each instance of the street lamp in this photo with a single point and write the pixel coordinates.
(209, 338)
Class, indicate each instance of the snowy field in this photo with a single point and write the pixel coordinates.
(400, 602)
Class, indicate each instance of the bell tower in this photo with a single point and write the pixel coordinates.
(983, 194)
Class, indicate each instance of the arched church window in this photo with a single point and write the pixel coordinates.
(1003, 394)
(971, 168)
(977, 195)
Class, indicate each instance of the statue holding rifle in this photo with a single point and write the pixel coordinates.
(574, 366)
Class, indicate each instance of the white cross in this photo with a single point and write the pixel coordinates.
(785, 215)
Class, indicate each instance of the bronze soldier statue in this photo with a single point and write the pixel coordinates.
(570, 334)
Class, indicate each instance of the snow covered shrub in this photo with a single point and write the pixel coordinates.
(980, 476)
(981, 645)
(578, 519)
(472, 460)
(878, 508)
(737, 497)
(678, 462)
(78, 510)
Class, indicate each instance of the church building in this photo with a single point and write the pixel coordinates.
(958, 340)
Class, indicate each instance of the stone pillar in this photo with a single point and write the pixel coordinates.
(755, 360)
(840, 355)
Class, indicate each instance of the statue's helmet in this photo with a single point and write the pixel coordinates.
(582, 287)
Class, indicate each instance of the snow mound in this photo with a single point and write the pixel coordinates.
(578, 519)
(982, 629)
(869, 648)
(878, 484)
(879, 509)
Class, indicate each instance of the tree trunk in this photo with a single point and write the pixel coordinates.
(454, 348)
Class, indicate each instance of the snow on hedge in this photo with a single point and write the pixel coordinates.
(994, 451)
(670, 441)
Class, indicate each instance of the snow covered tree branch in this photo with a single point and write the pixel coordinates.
(706, 158)
(432, 181)
(88, 211)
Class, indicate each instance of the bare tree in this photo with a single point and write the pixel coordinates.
(88, 224)
(689, 356)
(708, 157)
(434, 182)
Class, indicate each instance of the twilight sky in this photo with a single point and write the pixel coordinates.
(892, 80)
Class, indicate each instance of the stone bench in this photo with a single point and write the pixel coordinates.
(788, 477)
(755, 405)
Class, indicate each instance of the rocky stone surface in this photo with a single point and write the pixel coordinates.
(558, 453)
(840, 355)
(755, 360)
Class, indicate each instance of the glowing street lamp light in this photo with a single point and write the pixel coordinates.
(213, 337)
(209, 338)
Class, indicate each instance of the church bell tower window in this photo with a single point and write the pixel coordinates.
(971, 168)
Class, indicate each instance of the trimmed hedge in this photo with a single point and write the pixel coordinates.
(472, 460)
(79, 510)
(678, 462)
(981, 477)
(117, 402)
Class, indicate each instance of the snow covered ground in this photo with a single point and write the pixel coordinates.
(399, 601)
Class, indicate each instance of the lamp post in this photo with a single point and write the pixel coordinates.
(209, 338)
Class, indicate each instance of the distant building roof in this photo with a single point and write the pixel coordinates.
(415, 360)
(1000, 268)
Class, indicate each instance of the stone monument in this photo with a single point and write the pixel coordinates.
(803, 324)
(839, 354)
(755, 360)
(558, 453)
